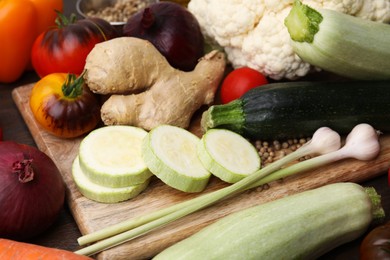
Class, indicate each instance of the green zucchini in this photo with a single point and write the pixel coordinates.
(301, 226)
(298, 109)
(340, 43)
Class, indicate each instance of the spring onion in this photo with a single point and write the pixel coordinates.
(324, 141)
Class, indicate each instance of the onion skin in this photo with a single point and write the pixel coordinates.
(29, 203)
(172, 29)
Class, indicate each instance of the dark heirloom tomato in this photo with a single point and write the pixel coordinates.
(376, 245)
(65, 48)
(64, 106)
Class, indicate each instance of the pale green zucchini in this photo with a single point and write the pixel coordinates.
(340, 43)
(301, 226)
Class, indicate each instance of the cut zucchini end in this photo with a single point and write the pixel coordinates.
(377, 209)
(228, 116)
(170, 154)
(204, 121)
(100, 193)
(228, 155)
(111, 156)
(303, 22)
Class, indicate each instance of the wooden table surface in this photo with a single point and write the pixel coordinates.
(65, 232)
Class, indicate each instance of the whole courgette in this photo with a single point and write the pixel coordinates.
(298, 109)
(301, 226)
(346, 45)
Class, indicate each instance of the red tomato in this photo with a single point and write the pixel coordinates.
(64, 49)
(239, 81)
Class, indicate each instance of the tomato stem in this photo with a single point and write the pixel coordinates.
(73, 86)
(23, 168)
(63, 21)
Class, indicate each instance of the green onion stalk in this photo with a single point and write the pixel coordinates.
(362, 143)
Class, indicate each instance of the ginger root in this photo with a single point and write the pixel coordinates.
(145, 90)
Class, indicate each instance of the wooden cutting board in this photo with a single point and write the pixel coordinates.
(91, 216)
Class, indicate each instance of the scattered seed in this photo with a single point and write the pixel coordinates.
(272, 151)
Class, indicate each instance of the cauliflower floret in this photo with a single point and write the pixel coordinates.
(253, 34)
(348, 7)
(376, 10)
(238, 19)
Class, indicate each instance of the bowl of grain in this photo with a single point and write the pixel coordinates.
(116, 12)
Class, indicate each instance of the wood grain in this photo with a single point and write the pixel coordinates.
(91, 216)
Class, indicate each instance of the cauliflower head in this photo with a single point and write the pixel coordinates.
(253, 34)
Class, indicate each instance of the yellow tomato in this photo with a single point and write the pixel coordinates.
(64, 106)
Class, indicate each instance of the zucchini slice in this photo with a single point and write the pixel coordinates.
(170, 153)
(100, 193)
(228, 155)
(111, 156)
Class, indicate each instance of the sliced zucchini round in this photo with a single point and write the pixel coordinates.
(228, 155)
(100, 193)
(111, 156)
(170, 153)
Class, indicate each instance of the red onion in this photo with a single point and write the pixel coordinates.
(32, 191)
(172, 29)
